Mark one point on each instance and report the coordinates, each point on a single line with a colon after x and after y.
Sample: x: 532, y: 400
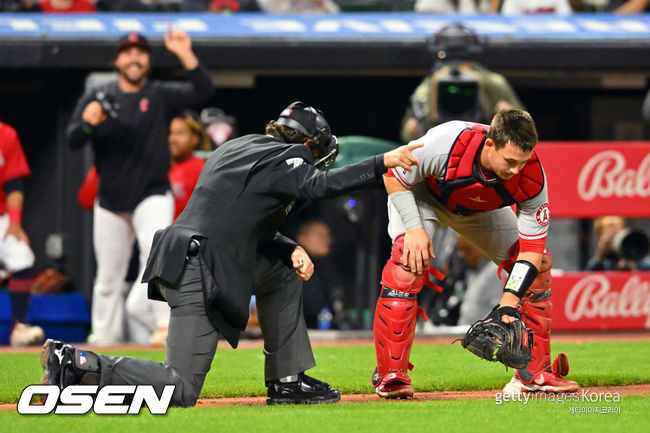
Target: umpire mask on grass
x: 311, y: 122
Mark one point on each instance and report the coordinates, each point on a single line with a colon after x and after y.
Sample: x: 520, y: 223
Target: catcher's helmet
x: 311, y: 122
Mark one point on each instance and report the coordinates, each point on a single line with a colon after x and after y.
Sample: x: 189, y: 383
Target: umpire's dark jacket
x: 244, y: 193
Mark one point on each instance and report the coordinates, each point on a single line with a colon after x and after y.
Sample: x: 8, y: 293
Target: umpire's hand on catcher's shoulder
x: 402, y: 157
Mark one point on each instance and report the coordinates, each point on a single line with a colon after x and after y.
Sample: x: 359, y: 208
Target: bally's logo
x: 108, y: 400
x: 606, y: 174
x: 594, y: 298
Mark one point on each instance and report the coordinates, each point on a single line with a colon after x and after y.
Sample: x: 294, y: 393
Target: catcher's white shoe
x: 549, y: 380
x: 545, y: 381
x: 515, y: 387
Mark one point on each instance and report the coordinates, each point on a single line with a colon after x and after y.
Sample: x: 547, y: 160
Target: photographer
x: 618, y: 248
x: 126, y: 123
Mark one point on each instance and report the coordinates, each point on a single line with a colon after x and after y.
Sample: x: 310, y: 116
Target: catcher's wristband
x: 521, y: 277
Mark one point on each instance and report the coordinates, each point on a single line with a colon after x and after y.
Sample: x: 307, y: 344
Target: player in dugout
x: 126, y: 123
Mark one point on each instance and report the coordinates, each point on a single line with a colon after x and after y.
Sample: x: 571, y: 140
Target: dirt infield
x: 419, y: 396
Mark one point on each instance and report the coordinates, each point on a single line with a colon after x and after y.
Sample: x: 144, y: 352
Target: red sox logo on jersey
x: 144, y: 105
x: 543, y: 215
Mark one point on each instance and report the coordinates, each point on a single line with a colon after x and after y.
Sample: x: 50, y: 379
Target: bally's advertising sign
x: 587, y: 180
x: 590, y: 179
x: 601, y: 300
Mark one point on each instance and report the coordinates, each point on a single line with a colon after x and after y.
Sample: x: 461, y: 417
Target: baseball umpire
x: 468, y: 177
x: 225, y: 247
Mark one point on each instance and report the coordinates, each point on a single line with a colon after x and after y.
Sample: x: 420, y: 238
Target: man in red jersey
x: 186, y: 134
x: 65, y: 6
x: 16, y: 256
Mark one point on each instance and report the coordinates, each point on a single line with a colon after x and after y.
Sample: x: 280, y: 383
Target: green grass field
x: 438, y: 367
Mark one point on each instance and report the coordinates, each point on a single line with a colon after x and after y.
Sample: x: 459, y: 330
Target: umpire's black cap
x: 133, y: 39
x: 311, y: 122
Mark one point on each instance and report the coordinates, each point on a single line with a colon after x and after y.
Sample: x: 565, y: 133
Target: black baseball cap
x: 133, y: 39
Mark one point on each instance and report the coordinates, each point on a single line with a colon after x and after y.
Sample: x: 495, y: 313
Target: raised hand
x: 179, y: 43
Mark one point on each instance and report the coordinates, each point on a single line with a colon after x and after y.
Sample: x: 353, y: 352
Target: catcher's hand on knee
x: 418, y: 250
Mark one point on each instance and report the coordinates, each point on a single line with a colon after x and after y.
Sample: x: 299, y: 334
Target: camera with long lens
x: 631, y: 244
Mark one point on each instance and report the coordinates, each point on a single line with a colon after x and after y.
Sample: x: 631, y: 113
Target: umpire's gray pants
x: 192, y: 340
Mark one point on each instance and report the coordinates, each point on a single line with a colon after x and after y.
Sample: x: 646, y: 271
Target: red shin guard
x: 537, y: 316
x: 394, y: 329
x: 541, y: 375
x: 537, y: 311
x: 394, y: 325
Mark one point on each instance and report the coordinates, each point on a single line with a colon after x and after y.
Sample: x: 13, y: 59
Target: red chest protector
x: 464, y: 191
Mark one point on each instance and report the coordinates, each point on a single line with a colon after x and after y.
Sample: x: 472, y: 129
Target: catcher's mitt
x: 494, y: 340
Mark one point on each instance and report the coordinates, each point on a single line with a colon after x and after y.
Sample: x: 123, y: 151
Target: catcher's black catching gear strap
x: 494, y: 340
x: 521, y: 277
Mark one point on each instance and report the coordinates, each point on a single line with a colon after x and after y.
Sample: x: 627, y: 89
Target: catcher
x: 469, y: 176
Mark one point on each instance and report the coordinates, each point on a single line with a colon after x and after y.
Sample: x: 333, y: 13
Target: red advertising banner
x: 601, y: 301
x: 590, y: 179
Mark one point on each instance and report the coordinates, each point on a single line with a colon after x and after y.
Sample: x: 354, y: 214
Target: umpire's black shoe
x: 65, y: 365
x: 52, y: 360
x: 306, y: 390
